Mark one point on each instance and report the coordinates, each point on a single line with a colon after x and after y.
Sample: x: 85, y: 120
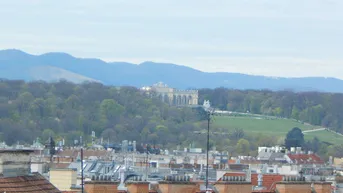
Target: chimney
x: 138, y: 187
x: 101, y: 184
x: 234, y: 184
x: 177, y: 184
x: 322, y: 186
x: 292, y: 184
x: 63, y: 179
x: 15, y: 163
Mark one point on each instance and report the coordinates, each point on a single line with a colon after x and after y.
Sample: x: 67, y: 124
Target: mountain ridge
x: 16, y: 64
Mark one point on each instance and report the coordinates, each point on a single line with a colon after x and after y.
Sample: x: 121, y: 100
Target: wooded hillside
x: 67, y: 110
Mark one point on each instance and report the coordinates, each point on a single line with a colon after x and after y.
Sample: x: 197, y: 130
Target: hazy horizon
x: 139, y: 63
x: 278, y: 39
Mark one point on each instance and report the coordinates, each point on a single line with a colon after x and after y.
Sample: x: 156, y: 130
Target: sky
x: 287, y: 38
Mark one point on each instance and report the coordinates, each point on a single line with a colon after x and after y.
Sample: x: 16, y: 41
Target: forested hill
x: 15, y: 64
x: 323, y: 109
x: 67, y: 110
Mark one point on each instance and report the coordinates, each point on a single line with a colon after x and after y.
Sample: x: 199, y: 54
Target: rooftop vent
x: 177, y: 178
x: 294, y: 179
x: 234, y: 178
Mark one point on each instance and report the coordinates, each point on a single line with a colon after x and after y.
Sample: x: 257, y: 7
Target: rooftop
x: 31, y: 183
x: 269, y: 180
x: 305, y: 158
x: 16, y: 151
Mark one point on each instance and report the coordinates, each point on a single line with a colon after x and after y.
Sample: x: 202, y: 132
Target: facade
x: 173, y: 96
x: 63, y: 179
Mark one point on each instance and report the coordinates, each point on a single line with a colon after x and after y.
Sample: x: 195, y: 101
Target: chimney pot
x: 15, y: 162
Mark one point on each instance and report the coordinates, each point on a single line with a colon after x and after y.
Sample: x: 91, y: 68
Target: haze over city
x: 170, y: 96
x: 273, y: 38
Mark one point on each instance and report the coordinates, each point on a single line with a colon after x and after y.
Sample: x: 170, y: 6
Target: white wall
x: 288, y: 170
x: 37, y: 167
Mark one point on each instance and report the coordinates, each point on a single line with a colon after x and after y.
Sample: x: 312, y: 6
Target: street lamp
x: 209, y: 113
x: 82, y: 178
x: 208, y: 147
x: 82, y: 171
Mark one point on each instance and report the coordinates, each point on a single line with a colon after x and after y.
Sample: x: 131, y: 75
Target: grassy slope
x: 325, y: 136
x: 276, y: 127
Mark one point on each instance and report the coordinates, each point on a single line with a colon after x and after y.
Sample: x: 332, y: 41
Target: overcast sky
x: 265, y: 37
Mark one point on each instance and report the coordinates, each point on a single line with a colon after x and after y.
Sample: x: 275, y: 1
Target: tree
x: 311, y: 107
x: 312, y: 145
x: 295, y: 113
x: 243, y: 147
x: 266, y: 141
x: 237, y: 134
x: 109, y: 134
x: 68, y: 110
x: 23, y: 101
x: 255, y: 105
x: 48, y: 133
x: 315, y: 144
x: 294, y: 138
x: 110, y: 108
x: 201, y: 113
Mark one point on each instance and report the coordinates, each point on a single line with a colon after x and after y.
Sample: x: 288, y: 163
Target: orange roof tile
x: 269, y: 180
x: 32, y: 183
x: 305, y: 158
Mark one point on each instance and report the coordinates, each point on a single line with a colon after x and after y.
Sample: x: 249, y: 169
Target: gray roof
x: 270, y: 156
x: 262, y: 155
x: 277, y: 157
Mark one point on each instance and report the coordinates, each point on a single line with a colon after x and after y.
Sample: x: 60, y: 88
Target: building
x: 173, y: 96
x: 271, y: 154
x: 63, y: 179
x: 304, y: 159
x: 15, y: 174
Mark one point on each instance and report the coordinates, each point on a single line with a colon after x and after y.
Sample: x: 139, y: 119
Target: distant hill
x: 15, y: 64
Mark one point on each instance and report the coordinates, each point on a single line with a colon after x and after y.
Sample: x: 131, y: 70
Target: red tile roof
x: 269, y: 180
x: 305, y: 159
x: 231, y: 161
x: 32, y: 183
